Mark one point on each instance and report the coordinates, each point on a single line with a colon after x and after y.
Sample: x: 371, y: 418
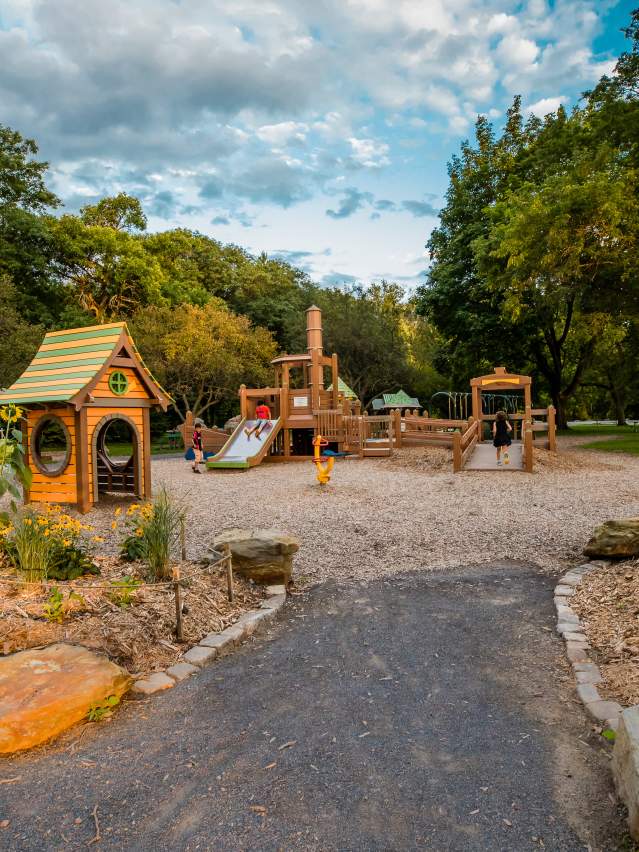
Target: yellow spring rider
x: 324, y: 464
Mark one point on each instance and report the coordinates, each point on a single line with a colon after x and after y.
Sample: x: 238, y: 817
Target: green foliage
x: 609, y: 734
x: 202, y: 355
x: 13, y: 470
x: 133, y: 548
x: 123, y: 590
x: 30, y: 547
x: 99, y: 712
x: 161, y: 531
x: 68, y: 562
x: 56, y: 607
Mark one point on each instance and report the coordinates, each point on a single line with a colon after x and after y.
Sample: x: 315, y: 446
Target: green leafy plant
x: 68, y: 562
x: 99, y: 712
x: 609, y: 734
x: 123, y: 590
x: 56, y: 607
x: 30, y: 547
x: 133, y: 548
x: 13, y: 470
x: 153, y: 531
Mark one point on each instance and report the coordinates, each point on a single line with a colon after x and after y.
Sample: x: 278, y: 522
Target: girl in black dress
x: 501, y: 436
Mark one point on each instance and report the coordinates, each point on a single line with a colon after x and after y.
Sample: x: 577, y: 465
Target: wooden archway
x: 500, y: 380
x: 118, y: 471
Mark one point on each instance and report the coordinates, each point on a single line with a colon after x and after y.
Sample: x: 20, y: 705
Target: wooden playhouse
x: 80, y: 383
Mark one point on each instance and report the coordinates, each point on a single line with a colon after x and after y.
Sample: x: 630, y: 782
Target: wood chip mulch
x: 607, y: 602
x: 139, y: 636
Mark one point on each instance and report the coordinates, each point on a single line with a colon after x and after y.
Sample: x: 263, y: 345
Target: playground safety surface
x: 423, y: 711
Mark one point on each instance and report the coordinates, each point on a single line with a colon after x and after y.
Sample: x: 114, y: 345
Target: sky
x: 317, y: 131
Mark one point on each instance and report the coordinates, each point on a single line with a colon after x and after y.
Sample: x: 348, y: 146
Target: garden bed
x: 607, y: 602
x: 140, y: 634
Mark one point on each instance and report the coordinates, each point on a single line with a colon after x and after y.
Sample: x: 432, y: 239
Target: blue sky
x: 316, y: 131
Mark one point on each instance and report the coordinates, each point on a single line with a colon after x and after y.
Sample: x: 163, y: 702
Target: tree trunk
x: 620, y: 407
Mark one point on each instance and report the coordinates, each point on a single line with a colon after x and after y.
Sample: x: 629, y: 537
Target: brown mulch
x: 140, y: 636
x: 607, y: 602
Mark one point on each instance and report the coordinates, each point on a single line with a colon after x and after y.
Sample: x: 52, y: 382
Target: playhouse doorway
x: 117, y: 457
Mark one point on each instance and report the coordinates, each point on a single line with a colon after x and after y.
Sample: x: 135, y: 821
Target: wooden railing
x: 463, y: 443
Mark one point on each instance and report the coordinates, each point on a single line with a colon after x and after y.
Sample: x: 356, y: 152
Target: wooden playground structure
x: 81, y: 383
x: 302, y: 408
x: 465, y: 437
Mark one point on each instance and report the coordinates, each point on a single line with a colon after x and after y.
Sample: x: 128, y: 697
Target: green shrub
x: 161, y: 531
x: 123, y: 590
x: 68, y: 562
x: 30, y: 546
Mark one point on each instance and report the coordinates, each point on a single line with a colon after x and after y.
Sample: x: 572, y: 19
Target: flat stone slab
x: 564, y: 590
x: 180, y: 671
x: 45, y: 691
x: 577, y: 652
x: 234, y: 633
x: 276, y: 590
x: 274, y: 602
x: 571, y: 636
x: 222, y: 642
x: 604, y: 711
x: 156, y: 682
x: 199, y: 655
x: 592, y: 677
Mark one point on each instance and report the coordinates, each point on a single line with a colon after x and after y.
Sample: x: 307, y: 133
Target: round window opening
x: 118, y: 383
x: 50, y: 445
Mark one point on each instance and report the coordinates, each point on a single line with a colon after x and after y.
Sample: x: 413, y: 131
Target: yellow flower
x: 46, y: 533
x: 27, y: 522
x: 97, y: 538
x: 118, y: 511
x: 139, y: 532
x: 114, y: 525
x: 66, y: 542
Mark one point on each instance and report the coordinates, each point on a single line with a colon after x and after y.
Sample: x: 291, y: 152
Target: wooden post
x: 183, y: 537
x: 552, y: 429
x: 398, y: 428
x: 229, y: 571
x: 457, y: 452
x: 335, y: 380
x: 528, y: 448
x: 243, y: 402
x: 178, y: 604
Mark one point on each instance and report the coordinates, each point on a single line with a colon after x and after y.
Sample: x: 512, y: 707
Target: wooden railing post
x: 552, y: 429
x: 528, y: 446
x: 398, y: 428
x: 243, y: 402
x: 457, y: 452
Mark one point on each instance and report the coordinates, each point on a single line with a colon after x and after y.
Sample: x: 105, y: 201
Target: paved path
x: 424, y: 712
x: 484, y: 457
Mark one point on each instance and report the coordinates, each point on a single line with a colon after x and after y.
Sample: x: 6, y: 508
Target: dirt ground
x: 409, y: 512
x: 138, y: 635
x: 607, y: 601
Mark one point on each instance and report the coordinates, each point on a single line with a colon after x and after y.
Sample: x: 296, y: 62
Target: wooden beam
x: 82, y: 461
x: 146, y: 453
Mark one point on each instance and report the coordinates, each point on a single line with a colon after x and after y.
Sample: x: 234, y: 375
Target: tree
x: 105, y: 269
x: 122, y: 213
x: 201, y: 355
x: 563, y: 253
x: 19, y: 340
x: 25, y: 249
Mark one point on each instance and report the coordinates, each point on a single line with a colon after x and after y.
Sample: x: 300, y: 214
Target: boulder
x: 44, y: 691
x: 616, y: 539
x: 265, y: 556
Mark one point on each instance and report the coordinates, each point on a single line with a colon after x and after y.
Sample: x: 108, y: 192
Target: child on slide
x: 263, y: 416
x: 501, y: 436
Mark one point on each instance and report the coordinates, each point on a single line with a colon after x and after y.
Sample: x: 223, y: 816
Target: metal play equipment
x: 324, y: 464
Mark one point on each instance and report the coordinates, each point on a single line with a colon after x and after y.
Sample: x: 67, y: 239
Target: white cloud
x: 545, y: 105
x: 283, y: 133
x: 369, y: 153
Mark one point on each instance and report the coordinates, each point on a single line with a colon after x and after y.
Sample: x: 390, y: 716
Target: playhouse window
x: 118, y: 383
x: 50, y: 445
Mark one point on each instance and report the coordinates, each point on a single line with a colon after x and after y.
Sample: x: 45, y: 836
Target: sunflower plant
x: 13, y: 471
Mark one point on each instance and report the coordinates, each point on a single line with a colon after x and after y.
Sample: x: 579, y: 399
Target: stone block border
x: 625, y: 722
x: 587, y: 674
x: 213, y: 645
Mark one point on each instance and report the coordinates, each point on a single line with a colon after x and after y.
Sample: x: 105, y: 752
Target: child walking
x: 198, y: 447
x: 501, y: 436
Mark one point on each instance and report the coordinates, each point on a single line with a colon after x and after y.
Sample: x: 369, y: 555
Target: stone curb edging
x: 213, y: 645
x: 586, y: 672
x: 624, y: 721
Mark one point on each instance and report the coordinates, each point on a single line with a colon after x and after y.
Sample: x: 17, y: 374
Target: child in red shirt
x: 263, y: 415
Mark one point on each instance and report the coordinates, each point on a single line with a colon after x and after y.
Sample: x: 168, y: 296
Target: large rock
x: 43, y: 692
x: 617, y: 539
x: 625, y: 765
x: 265, y: 556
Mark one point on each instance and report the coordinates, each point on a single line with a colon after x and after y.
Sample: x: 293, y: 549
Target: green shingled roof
x: 395, y: 400
x: 344, y: 389
x: 66, y: 362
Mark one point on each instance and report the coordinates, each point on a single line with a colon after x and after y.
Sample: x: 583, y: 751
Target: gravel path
x: 381, y: 516
x: 430, y: 712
